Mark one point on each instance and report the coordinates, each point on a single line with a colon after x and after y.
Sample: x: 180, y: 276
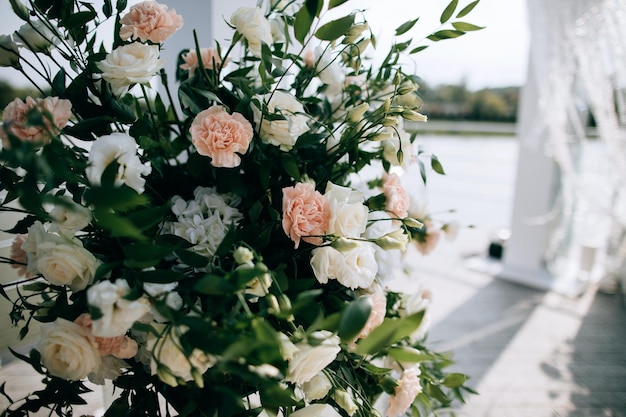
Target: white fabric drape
x: 579, y: 49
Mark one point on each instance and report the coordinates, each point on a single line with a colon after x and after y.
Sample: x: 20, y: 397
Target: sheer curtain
x: 580, y: 48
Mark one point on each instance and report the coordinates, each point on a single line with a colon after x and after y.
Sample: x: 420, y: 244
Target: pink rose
x: 210, y: 60
x: 55, y: 113
x: 19, y: 255
x: 406, y: 391
x: 122, y: 347
x: 221, y: 136
x: 306, y: 213
x: 150, y: 21
x: 397, y: 200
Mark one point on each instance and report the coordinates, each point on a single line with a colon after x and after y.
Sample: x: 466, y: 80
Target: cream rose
x: 221, y: 136
x: 116, y: 313
x: 66, y: 263
x: 170, y: 363
x: 252, y: 24
x: 122, y: 148
x: 68, y: 351
x: 353, y: 268
x: 316, y: 410
x: 150, y: 21
x: 309, y: 360
x: 281, y: 132
x: 134, y: 63
x: 348, y: 216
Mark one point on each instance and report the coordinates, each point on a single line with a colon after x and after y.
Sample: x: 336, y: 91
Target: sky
x: 493, y: 57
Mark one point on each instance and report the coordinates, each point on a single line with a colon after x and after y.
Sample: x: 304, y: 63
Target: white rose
x: 134, y: 63
x: 68, y: 351
x: 9, y: 55
x: 122, y: 148
x: 283, y: 132
x: 117, y: 313
x: 347, y: 217
x: 317, y: 388
x: 353, y: 268
x: 170, y: 363
x: 253, y: 26
x: 316, y: 410
x: 36, y: 36
x: 70, y: 219
x: 309, y: 360
x: 66, y: 263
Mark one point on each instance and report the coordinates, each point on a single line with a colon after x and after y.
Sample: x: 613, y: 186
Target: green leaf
x: 191, y: 258
x: 466, y: 27
x: 465, y: 11
x: 454, y: 380
x: 107, y: 8
x: 354, y: 317
x: 160, y: 276
x: 213, y: 285
x: 436, y: 165
x: 418, y: 49
x: 334, y: 29
x: 388, y: 333
x: 304, y: 18
x: 448, y: 11
x: 79, y: 19
x: 409, y: 354
x: 406, y: 26
x: 144, y: 255
x: 290, y: 165
x: 123, y: 198
x: 445, y: 34
x: 117, y: 225
x: 334, y: 3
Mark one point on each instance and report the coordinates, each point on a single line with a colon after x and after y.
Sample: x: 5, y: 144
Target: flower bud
x: 387, y: 105
x: 20, y: 10
x: 243, y: 255
x: 414, y: 116
x: 197, y: 377
x: 394, y: 240
x: 343, y: 244
x: 406, y: 87
x: 345, y: 401
x: 389, y: 121
x: 36, y: 36
x: 413, y: 223
x: 382, y: 136
x: 9, y: 55
x: 166, y: 376
x: 356, y: 113
x: 272, y: 301
x: 388, y: 384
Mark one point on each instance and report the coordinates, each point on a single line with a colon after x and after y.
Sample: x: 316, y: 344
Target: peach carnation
x: 428, y: 242
x: 379, y: 309
x: 122, y: 347
x: 210, y: 60
x: 306, y: 213
x: 55, y: 114
x: 150, y: 21
x: 397, y: 200
x: 406, y: 391
x: 221, y: 136
x: 19, y: 255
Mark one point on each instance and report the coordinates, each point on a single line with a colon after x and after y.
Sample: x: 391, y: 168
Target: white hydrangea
x: 205, y: 220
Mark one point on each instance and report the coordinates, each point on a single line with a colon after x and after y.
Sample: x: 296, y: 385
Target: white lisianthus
x: 205, y: 220
x: 169, y: 362
x: 348, y: 213
x: 287, y: 348
x: 60, y: 260
x: 329, y: 69
x: 69, y: 219
x: 122, y: 148
x: 117, y: 314
x: 400, y: 141
x: 36, y: 36
x: 309, y: 360
x: 133, y: 63
x: 282, y: 132
x: 316, y: 410
x: 317, y: 388
x: 164, y: 292
x: 68, y: 351
x: 252, y: 24
x: 353, y: 268
x: 412, y: 304
x: 9, y: 54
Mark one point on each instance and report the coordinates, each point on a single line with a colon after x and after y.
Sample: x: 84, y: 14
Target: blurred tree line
x: 9, y: 92
x: 457, y: 102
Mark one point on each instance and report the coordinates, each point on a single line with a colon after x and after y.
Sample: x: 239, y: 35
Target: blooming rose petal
x: 305, y: 213
x: 150, y: 21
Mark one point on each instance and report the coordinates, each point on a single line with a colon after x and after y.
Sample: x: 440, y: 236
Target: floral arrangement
x: 227, y: 252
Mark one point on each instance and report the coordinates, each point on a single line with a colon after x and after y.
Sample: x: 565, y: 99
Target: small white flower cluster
x: 204, y: 221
